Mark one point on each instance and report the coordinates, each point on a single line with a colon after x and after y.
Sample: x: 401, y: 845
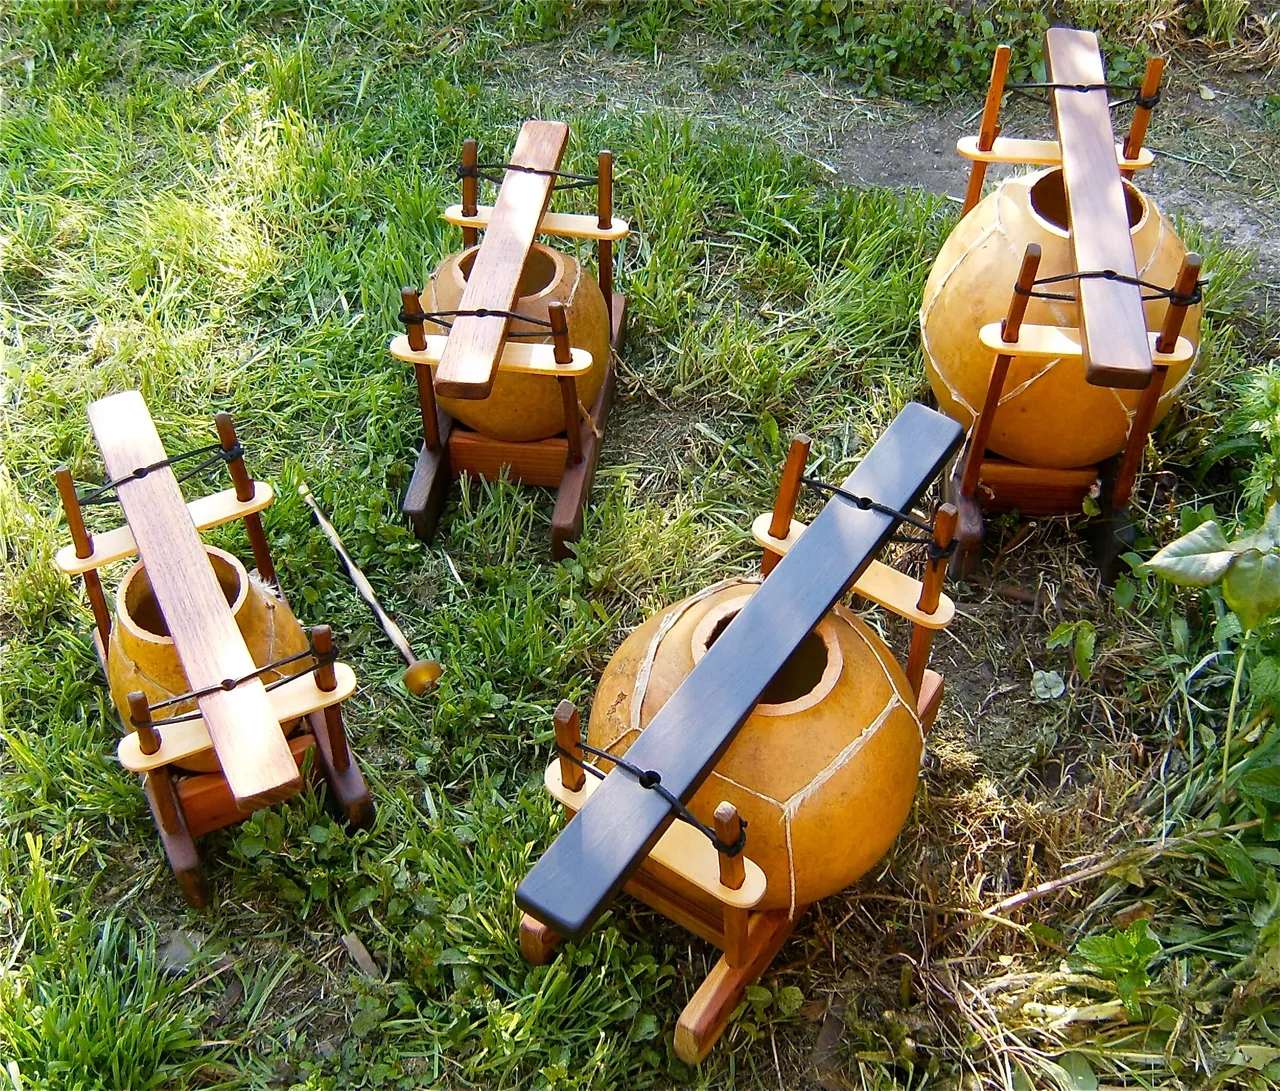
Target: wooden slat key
x: 1113, y: 327
x: 604, y: 843
x: 470, y: 359
x: 250, y: 746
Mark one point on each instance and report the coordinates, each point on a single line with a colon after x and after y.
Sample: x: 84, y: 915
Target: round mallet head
x: 421, y: 676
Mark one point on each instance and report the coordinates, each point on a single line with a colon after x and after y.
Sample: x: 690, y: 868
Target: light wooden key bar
x: 251, y: 749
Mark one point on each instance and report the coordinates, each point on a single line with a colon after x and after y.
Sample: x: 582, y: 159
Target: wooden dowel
x: 1142, y: 114
x: 568, y: 387
x: 568, y: 735
x: 327, y: 682
x: 470, y: 189
x: 83, y: 542
x: 140, y: 721
x: 784, y: 504
x: 244, y: 492
x: 604, y: 219
x: 733, y: 873
x: 411, y: 303
x: 1010, y: 328
x: 935, y: 573
x: 1149, y: 401
x: 990, y: 126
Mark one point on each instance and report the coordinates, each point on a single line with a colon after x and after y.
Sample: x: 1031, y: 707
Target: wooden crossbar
x: 252, y: 750
x: 604, y: 843
x: 470, y: 360
x: 1113, y: 325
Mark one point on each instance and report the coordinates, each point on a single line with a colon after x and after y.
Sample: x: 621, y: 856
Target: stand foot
x: 429, y: 486
x: 179, y: 846
x: 970, y: 528
x: 347, y: 788
x: 707, y: 1014
x: 1111, y: 535
x: 537, y: 942
x: 575, y: 484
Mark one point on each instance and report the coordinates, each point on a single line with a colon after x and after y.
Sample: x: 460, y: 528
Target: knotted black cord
x: 1181, y: 299
x: 652, y: 780
x: 228, y: 684
x: 489, y: 172
x: 866, y: 503
x: 1137, y: 98
x: 104, y: 494
x: 441, y: 318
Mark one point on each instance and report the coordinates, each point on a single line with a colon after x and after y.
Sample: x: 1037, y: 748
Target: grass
x: 216, y: 203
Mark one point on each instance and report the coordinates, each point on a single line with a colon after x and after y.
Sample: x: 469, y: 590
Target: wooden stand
x: 1111, y: 336
x: 566, y: 462
x: 259, y: 765
x: 687, y: 878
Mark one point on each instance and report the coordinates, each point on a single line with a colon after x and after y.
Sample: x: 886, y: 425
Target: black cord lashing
x: 652, y: 781
x: 1157, y: 291
x: 442, y: 319
x: 105, y: 494
x: 1136, y: 98
x: 229, y: 684
x: 866, y: 503
x: 490, y: 172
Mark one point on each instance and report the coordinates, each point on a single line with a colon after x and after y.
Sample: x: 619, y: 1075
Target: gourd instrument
x: 1060, y: 399
x: 231, y: 732
x: 635, y: 828
x: 516, y: 390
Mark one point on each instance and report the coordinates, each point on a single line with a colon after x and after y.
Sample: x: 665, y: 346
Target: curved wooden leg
x: 707, y: 1014
x: 970, y: 530
x: 179, y: 846
x: 537, y: 942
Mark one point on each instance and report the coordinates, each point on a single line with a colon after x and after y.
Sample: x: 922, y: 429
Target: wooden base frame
x: 187, y: 805
x: 749, y: 939
x: 538, y: 462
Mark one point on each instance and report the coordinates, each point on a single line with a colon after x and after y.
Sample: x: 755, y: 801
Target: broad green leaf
x: 1197, y: 559
x: 789, y: 1000
x: 1078, y: 1071
x: 1086, y: 641
x: 1252, y: 587
x: 1264, y: 540
x: 1262, y: 783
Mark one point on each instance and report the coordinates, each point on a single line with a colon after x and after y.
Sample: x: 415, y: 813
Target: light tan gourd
x: 823, y: 771
x: 1049, y: 415
x: 529, y: 407
x: 141, y: 655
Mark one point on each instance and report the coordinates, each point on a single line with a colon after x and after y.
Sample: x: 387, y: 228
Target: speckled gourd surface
x: 1048, y: 415
x: 141, y: 655
x: 530, y: 407
x: 823, y: 771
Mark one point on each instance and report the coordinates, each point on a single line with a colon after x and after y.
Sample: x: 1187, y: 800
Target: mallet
x: 421, y: 674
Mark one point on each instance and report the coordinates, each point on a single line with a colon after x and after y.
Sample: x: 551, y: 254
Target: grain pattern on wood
x: 206, y: 513
x: 470, y: 360
x: 1060, y: 343
x: 1038, y: 153
x: 1034, y: 490
x: 536, y: 462
x: 518, y: 356
x: 1113, y: 325
x: 564, y: 225
x: 206, y: 800
x: 604, y: 843
x: 251, y: 748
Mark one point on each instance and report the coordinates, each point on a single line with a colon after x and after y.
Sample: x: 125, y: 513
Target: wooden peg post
x: 728, y: 827
x: 327, y: 682
x: 411, y: 303
x: 944, y: 530
x: 784, y: 504
x: 83, y: 542
x: 1149, y: 402
x: 1010, y: 329
x: 990, y: 127
x: 244, y: 492
x: 568, y: 387
x: 1142, y: 114
x: 470, y: 188
x: 604, y: 220
x: 568, y: 736
x: 159, y: 778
